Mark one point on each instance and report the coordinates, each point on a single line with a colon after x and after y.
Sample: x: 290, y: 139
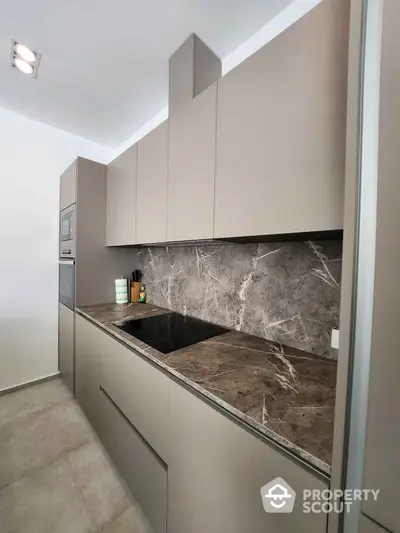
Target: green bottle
x: 142, y: 294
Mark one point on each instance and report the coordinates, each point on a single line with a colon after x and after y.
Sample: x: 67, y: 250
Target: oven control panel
x: 67, y: 251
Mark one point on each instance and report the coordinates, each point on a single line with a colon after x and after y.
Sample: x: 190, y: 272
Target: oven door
x: 66, y: 291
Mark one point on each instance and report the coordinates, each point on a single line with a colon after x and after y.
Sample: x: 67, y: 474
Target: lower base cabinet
x: 141, y: 468
x: 88, y: 357
x: 218, y: 470
x: 192, y: 469
x: 66, y: 345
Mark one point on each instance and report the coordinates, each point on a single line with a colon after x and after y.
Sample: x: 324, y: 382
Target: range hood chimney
x: 192, y: 69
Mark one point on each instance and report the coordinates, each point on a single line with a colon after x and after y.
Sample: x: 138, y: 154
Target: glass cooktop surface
x: 171, y: 331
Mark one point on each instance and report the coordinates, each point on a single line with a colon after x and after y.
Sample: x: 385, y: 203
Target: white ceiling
x: 104, y: 67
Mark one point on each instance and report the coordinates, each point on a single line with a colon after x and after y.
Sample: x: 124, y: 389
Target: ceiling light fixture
x: 23, y: 66
x: 25, y: 53
x: 24, y: 59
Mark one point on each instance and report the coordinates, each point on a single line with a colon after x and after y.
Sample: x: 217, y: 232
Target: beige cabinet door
x: 143, y: 471
x: 217, y: 470
x: 66, y: 345
x: 151, y: 202
x: 121, y: 199
x: 68, y: 186
x: 281, y: 130
x: 190, y: 211
x: 87, y: 370
x: 139, y: 389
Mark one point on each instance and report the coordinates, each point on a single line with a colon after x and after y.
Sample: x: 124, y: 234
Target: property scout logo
x: 279, y: 497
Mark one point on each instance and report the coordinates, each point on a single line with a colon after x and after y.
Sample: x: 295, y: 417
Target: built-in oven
x: 68, y: 232
x: 66, y: 294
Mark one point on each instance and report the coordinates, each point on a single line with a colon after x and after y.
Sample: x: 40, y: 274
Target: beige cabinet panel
x: 66, y: 345
x: 217, y: 471
x: 142, y: 470
x: 121, y: 199
x: 368, y: 526
x: 190, y: 211
x: 139, y: 390
x: 151, y: 203
x: 88, y: 356
x: 68, y: 186
x: 281, y: 129
x: 382, y: 452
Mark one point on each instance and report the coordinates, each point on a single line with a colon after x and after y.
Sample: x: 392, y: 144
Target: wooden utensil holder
x: 135, y: 291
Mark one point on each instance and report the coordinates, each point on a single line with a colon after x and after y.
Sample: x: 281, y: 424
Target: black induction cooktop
x: 170, y: 331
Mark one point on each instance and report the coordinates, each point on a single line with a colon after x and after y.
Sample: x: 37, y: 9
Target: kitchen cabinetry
x: 151, y: 204
x: 139, y: 390
x: 143, y: 471
x: 68, y: 186
x: 281, y: 131
x: 66, y: 345
x: 190, y: 210
x: 121, y: 199
x: 88, y: 358
x: 217, y: 471
x: 368, y: 526
x: 155, y: 430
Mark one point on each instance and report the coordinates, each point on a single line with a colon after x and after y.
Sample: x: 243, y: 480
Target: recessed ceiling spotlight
x: 24, y: 59
x: 25, y: 53
x: 23, y: 66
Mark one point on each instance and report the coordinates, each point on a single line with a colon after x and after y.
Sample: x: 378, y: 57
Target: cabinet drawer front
x: 142, y: 470
x: 139, y: 390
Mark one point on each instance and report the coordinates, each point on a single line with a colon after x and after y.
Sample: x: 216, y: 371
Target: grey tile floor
x: 54, y: 474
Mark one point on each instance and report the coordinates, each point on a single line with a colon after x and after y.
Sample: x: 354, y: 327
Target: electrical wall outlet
x: 335, y: 339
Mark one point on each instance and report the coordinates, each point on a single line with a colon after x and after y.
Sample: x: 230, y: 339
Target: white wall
x: 32, y: 157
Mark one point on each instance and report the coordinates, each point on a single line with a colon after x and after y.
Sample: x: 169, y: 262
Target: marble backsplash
x: 285, y: 292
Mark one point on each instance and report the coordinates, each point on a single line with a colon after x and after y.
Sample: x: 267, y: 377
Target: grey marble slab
x: 282, y: 393
x: 286, y: 292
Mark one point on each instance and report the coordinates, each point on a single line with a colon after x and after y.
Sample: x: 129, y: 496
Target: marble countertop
x: 285, y: 394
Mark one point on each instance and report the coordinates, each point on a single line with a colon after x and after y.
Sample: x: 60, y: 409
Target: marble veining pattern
x: 284, y: 292
x: 283, y: 393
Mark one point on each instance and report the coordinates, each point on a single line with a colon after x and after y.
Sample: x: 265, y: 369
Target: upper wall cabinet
x: 190, y: 210
x: 281, y: 131
x: 121, y: 199
x: 68, y: 186
x: 151, y: 202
